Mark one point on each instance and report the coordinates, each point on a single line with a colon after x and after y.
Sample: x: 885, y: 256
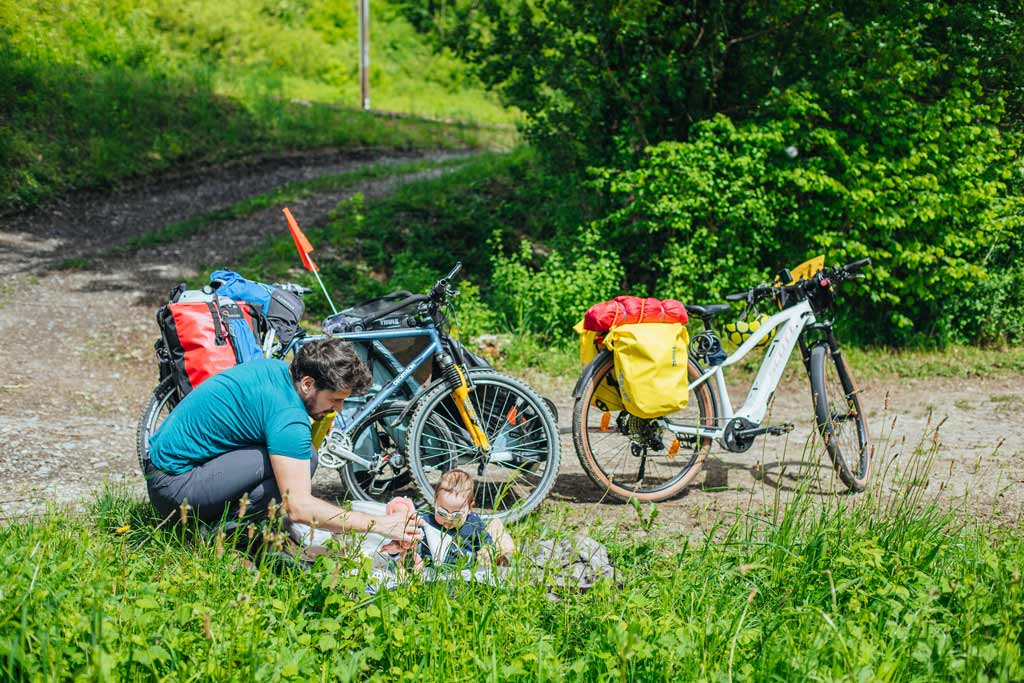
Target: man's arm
x: 292, y: 476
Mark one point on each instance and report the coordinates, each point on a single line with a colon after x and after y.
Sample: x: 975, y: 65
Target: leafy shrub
x: 906, y: 118
x: 927, y: 201
x: 600, y: 82
x: 550, y: 299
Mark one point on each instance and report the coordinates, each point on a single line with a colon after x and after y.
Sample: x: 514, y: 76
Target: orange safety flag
x: 301, y: 243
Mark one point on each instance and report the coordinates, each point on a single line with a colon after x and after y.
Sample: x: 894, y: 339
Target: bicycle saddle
x: 709, y: 311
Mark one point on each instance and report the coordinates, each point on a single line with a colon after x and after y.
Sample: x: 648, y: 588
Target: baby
x: 464, y: 535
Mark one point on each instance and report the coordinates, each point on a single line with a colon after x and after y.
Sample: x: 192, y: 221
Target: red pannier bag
x: 628, y: 310
x: 199, y: 341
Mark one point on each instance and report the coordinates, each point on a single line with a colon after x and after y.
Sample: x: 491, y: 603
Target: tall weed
x: 887, y: 585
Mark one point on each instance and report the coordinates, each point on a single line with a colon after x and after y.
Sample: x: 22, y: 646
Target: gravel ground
x: 77, y: 369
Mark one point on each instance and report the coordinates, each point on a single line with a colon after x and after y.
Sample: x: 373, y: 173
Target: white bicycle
x: 654, y: 459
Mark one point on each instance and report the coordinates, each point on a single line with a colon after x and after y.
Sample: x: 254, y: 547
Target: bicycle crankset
x: 737, y: 437
x: 337, y: 450
x: 740, y: 433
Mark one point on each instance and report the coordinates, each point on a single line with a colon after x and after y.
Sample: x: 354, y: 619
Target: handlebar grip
x: 857, y: 265
x: 738, y: 296
x: 456, y: 269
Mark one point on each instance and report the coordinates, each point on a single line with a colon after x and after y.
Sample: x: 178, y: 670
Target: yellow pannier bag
x: 651, y: 367
x: 606, y: 396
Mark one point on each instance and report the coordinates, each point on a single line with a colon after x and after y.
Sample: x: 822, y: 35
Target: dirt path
x: 77, y: 363
x: 977, y: 464
x: 77, y: 368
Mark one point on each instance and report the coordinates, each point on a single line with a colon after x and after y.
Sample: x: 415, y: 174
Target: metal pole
x: 333, y: 309
x: 364, y: 52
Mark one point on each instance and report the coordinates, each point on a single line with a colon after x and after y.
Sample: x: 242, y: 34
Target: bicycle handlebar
x: 293, y: 287
x: 437, y: 295
x: 397, y: 306
x: 456, y: 269
x: 830, y: 275
x: 440, y: 291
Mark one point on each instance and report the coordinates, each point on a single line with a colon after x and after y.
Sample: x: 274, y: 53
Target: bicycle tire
x: 376, y: 434
x: 836, y: 403
x: 525, y: 448
x: 165, y: 395
x: 609, y: 461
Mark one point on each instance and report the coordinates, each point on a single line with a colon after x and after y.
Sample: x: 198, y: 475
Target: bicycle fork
x: 456, y: 381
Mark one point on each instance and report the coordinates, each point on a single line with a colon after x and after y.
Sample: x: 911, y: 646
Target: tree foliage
x: 737, y: 138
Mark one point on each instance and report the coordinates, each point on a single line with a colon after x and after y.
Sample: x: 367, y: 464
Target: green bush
x: 906, y: 119
x: 600, y: 82
x: 929, y: 201
x: 550, y: 299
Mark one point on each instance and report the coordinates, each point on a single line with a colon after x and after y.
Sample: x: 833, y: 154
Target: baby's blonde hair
x: 458, y: 483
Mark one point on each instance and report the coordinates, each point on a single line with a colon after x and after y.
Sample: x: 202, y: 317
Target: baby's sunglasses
x: 456, y: 517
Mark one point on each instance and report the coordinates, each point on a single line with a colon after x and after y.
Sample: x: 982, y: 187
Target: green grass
x: 955, y: 362
x: 845, y: 589
x: 73, y: 263
x: 410, y: 238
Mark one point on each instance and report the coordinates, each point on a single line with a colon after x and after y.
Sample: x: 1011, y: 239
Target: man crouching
x: 245, y: 434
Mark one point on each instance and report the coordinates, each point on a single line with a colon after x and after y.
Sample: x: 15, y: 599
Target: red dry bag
x: 627, y: 310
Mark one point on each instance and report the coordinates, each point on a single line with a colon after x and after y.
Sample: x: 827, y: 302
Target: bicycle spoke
x: 523, y: 444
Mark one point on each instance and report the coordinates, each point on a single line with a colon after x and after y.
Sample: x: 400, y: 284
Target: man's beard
x: 309, y: 402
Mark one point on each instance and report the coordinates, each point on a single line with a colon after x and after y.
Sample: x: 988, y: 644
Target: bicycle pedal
x: 779, y: 430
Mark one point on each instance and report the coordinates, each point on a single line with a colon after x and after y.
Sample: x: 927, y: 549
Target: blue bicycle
x: 494, y: 427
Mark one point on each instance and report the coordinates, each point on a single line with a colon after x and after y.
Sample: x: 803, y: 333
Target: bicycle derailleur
x: 643, y: 434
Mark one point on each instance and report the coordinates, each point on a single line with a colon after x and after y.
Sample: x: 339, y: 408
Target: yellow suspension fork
x: 456, y: 380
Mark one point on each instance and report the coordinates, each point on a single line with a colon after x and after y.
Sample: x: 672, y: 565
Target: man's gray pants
x: 214, y: 488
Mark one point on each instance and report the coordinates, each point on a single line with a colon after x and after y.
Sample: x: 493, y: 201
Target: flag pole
x: 317, y: 274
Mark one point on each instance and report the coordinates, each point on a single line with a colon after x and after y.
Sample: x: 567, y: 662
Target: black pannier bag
x: 363, y: 317
x: 284, y: 313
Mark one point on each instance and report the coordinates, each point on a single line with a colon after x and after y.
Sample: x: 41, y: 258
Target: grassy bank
x: 476, y: 214
x: 99, y: 92
x: 853, y: 591
x: 283, y: 195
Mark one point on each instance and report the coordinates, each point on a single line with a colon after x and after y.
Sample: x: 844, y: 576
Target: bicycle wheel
x: 631, y: 457
x: 525, y: 452
x: 382, y: 442
x: 161, y: 401
x: 839, y: 416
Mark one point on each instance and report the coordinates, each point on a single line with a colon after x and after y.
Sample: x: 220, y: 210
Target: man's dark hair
x: 333, y: 365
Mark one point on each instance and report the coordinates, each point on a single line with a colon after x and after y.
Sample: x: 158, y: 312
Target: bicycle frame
x: 791, y: 323
x: 404, y: 374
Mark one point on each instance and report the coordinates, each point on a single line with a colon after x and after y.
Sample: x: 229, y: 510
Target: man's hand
x: 399, y: 526
x: 293, y: 476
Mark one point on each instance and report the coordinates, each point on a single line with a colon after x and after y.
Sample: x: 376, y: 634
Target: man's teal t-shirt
x: 253, y: 404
